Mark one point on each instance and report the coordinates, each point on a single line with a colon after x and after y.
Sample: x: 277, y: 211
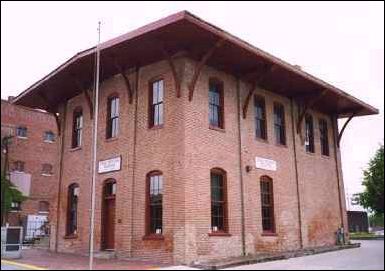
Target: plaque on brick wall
x: 265, y: 164
x: 109, y: 165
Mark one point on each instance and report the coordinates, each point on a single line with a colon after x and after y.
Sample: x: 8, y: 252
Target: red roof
x: 184, y: 31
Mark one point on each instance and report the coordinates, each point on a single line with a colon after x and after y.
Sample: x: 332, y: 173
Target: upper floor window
x: 49, y: 136
x: 267, y: 205
x: 324, y: 138
x: 77, y: 128
x: 15, y: 206
x: 21, y: 131
x: 218, y: 201
x: 43, y: 207
x: 112, y: 117
x: 155, y: 203
x: 309, y: 134
x: 260, y: 117
x: 156, y: 103
x: 279, y: 124
x: 18, y: 166
x: 72, y: 209
x: 47, y: 169
x: 216, y: 104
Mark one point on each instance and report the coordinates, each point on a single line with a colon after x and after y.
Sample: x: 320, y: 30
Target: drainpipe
x: 134, y: 154
x: 241, y: 170
x: 58, y: 213
x: 296, y: 174
x: 335, y: 136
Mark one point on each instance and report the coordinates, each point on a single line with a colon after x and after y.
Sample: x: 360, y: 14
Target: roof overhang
x: 186, y: 32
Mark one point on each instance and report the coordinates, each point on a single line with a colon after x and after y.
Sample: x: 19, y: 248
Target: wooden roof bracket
x: 248, y: 98
x: 343, y: 128
x: 51, y: 110
x: 199, y: 66
x: 253, y: 87
x: 171, y: 63
x: 126, y: 80
x: 307, y: 106
x: 83, y: 87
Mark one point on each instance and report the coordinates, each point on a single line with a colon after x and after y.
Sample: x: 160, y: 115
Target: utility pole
x: 94, y: 153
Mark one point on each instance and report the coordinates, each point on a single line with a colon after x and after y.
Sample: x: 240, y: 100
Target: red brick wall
x: 185, y: 150
x: 34, y: 152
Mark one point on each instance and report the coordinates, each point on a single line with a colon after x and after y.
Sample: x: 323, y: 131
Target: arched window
x: 156, y: 97
x: 77, y: 128
x: 218, y: 201
x: 309, y: 134
x: 43, y: 207
x: 279, y: 124
x: 216, y: 104
x: 49, y: 136
x: 260, y: 117
x: 267, y: 205
x: 72, y: 209
x: 47, y: 169
x: 112, y: 117
x: 154, y: 203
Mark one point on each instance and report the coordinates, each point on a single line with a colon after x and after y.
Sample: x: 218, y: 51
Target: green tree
x: 9, y: 194
x: 373, y: 196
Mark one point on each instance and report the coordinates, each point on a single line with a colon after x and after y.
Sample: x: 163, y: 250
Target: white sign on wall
x: 266, y: 164
x: 112, y: 164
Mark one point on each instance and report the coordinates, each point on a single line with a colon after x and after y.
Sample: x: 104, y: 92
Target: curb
x: 269, y: 258
x: 22, y: 265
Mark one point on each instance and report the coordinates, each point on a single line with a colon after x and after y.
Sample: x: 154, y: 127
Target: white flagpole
x: 94, y: 152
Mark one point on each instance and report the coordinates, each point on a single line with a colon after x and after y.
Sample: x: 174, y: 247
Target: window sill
x: 111, y: 139
x: 219, y: 234
x: 156, y: 237
x: 72, y: 236
x: 15, y: 211
x: 49, y: 142
x: 156, y: 127
x: 75, y: 149
x: 310, y: 153
x: 271, y: 234
x: 281, y: 145
x: 22, y: 137
x: 217, y: 129
x: 262, y: 140
x: 325, y: 156
x: 47, y: 174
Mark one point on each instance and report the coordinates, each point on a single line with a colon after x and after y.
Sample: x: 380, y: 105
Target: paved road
x: 370, y: 256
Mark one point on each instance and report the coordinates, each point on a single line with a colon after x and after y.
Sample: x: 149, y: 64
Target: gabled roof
x: 184, y: 31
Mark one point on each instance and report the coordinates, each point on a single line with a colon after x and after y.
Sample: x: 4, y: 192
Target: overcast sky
x: 341, y: 43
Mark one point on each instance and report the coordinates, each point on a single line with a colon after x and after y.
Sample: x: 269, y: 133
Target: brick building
x: 31, y: 162
x: 207, y: 146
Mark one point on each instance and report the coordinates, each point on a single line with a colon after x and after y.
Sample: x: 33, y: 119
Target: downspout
x: 241, y: 170
x: 296, y: 174
x: 58, y: 213
x: 134, y: 154
x: 335, y: 135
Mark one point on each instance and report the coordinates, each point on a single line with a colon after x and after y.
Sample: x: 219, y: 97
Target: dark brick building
x: 32, y: 156
x: 207, y: 146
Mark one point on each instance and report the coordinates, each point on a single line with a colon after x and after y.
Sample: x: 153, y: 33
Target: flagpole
x: 94, y: 151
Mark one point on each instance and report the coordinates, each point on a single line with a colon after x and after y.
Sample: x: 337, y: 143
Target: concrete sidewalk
x: 42, y: 259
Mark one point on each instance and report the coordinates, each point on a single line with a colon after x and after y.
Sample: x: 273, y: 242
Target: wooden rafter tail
x: 171, y: 63
x: 200, y: 65
x: 125, y: 79
x: 343, y: 128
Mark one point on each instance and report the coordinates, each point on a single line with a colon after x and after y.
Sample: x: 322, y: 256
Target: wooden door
x: 108, y: 216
